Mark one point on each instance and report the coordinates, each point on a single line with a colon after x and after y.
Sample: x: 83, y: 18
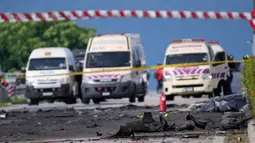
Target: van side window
x: 221, y: 56
x: 134, y: 57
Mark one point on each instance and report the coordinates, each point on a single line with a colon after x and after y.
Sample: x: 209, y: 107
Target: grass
x: 13, y: 100
x: 248, y: 81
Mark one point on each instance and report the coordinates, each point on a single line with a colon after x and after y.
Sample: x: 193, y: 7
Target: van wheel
x: 141, y: 98
x: 210, y: 95
x: 226, y: 88
x: 133, y: 95
x: 197, y: 95
x: 70, y: 100
x: 132, y: 99
x: 33, y: 102
x: 218, y: 90
x: 170, y: 97
x: 85, y: 100
x: 96, y: 101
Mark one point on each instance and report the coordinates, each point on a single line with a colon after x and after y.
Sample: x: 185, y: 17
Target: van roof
x: 116, y: 34
x: 215, y: 46
x: 187, y: 46
x: 109, y: 43
x: 49, y: 52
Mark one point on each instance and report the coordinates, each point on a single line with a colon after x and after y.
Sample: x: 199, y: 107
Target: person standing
x: 232, y: 67
x: 159, y: 78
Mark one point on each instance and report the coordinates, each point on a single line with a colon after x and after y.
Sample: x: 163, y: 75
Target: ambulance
x: 107, y: 64
x: 48, y: 75
x: 189, y: 71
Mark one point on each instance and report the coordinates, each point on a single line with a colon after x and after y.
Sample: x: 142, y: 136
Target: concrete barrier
x: 3, y: 94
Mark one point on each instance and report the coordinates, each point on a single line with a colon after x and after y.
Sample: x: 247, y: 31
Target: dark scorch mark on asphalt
x: 85, y: 123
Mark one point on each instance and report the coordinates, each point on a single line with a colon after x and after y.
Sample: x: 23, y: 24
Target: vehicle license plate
x: 106, y: 93
x: 47, y: 94
x: 189, y: 89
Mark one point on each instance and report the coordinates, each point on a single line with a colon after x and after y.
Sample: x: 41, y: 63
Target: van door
x: 136, y: 64
x: 219, y: 70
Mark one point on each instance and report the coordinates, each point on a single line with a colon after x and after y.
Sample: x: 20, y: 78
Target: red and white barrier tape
x: 91, y: 14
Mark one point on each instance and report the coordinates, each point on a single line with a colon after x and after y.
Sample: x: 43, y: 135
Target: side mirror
x: 23, y: 69
x: 138, y: 64
x: 71, y: 68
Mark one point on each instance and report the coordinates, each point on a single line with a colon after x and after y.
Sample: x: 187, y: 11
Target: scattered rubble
x: 3, y: 114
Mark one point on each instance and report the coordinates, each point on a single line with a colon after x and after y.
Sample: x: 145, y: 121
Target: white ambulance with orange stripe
x: 113, y: 52
x: 187, y: 79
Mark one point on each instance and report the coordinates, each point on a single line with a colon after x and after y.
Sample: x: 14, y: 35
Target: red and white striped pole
x: 95, y: 14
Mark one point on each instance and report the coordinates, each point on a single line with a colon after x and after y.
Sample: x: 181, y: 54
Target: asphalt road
x: 59, y: 122
x: 152, y: 99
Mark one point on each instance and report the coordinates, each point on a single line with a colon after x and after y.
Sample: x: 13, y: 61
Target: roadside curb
x: 251, y: 130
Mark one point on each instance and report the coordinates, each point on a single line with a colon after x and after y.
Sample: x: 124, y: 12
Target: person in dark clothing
x: 232, y: 67
x: 79, y: 78
x: 159, y: 78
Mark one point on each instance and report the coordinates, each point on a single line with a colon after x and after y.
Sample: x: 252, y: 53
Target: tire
x: 96, y: 101
x: 210, y: 95
x: 133, y: 96
x: 140, y: 98
x: 170, y: 97
x: 217, y: 92
x: 227, y: 88
x: 132, y: 99
x: 197, y: 96
x: 33, y: 102
x: 85, y: 100
x: 70, y: 100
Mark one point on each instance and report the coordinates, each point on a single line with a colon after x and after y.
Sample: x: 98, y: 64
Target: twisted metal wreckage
x: 230, y: 120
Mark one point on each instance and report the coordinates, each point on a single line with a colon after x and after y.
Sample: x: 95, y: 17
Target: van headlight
x: 30, y: 82
x: 64, y: 80
x: 125, y: 78
x: 207, y: 77
x: 85, y: 79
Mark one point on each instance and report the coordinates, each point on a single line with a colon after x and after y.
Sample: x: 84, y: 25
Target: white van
x: 113, y: 52
x: 185, y: 80
x: 50, y: 61
x: 220, y: 70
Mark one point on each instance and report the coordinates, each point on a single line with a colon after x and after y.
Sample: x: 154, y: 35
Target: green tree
x: 17, y: 40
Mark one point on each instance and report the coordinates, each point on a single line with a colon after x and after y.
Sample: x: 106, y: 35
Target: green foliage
x: 248, y: 81
x: 17, y: 40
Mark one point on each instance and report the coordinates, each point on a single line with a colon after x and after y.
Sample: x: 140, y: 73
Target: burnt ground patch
x: 86, y: 123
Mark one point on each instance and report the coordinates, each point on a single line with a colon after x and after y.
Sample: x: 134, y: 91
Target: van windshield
x: 186, y: 58
x: 108, y: 59
x: 47, y: 64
